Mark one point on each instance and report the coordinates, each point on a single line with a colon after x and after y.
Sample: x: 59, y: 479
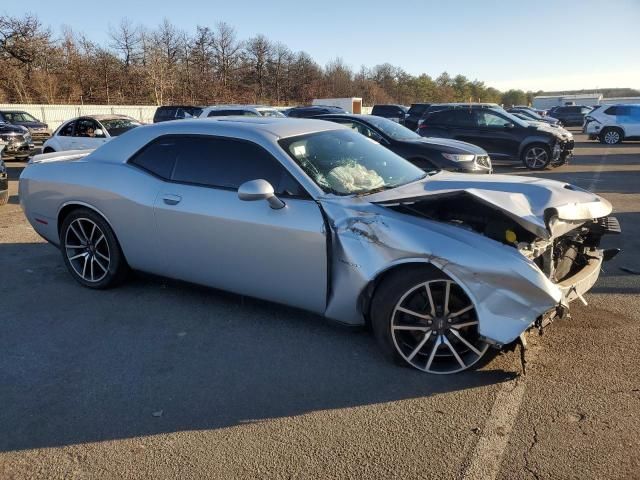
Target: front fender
x: 508, y: 290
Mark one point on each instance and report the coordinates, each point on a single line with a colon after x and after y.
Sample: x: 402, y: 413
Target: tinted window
x: 459, y: 118
x: 67, y: 130
x: 117, y: 126
x: 612, y: 110
x: 418, y: 109
x: 214, y: 162
x: 158, y: 157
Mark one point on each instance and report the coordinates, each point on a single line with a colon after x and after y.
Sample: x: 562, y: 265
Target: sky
x: 524, y: 44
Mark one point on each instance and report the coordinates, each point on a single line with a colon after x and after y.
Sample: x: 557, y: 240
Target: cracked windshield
x: 344, y: 162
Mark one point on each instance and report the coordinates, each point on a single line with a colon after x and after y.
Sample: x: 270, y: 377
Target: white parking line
x: 487, y: 456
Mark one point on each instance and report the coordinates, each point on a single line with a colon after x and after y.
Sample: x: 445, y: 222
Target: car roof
x: 256, y: 129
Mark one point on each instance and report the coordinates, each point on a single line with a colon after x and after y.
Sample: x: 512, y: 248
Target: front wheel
x: 91, y: 251
x: 424, y: 319
x: 536, y: 157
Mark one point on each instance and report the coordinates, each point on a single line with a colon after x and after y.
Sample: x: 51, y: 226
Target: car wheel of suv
x: 611, y: 136
x: 536, y: 157
x: 91, y: 251
x: 424, y: 319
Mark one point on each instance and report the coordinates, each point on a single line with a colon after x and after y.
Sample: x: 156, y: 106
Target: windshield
x: 117, y: 126
x: 270, y: 112
x: 19, y: 117
x: 345, y: 162
x: 392, y: 129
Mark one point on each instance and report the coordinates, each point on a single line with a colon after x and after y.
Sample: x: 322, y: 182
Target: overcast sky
x: 527, y: 44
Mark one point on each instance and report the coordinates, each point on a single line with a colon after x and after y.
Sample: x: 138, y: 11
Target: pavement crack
x: 527, y: 461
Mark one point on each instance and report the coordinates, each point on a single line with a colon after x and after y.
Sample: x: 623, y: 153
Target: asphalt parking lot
x: 158, y: 379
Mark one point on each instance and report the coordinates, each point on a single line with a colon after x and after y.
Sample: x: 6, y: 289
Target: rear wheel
x: 611, y: 136
x: 536, y: 157
x: 423, y: 318
x: 91, y: 251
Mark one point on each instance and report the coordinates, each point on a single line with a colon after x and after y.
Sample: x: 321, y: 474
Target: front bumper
x: 21, y: 149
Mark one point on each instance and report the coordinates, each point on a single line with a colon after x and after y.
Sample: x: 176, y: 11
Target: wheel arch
x: 614, y: 127
x: 546, y: 142
x: 67, y: 207
x: 368, y: 292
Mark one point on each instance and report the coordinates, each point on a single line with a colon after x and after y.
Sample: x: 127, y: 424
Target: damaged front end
x: 521, y: 248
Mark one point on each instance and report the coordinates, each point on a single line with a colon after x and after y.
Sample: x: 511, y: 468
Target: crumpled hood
x: 530, y: 201
x: 454, y: 145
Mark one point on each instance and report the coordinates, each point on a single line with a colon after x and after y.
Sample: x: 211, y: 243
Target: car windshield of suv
x: 117, y: 126
x: 344, y: 162
x: 270, y: 112
x: 19, y: 117
x: 392, y: 129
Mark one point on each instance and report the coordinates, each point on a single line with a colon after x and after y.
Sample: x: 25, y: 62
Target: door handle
x: 171, y: 199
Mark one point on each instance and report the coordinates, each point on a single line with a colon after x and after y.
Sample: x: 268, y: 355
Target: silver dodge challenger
x: 444, y: 267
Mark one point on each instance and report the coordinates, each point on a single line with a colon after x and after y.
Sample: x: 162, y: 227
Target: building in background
x: 545, y: 102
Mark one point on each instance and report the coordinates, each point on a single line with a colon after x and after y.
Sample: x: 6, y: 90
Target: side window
x: 611, y: 110
x: 86, y: 127
x: 363, y: 129
x: 228, y: 163
x: 441, y: 118
x: 488, y: 119
x: 158, y: 157
x: 463, y: 117
x: 67, y: 130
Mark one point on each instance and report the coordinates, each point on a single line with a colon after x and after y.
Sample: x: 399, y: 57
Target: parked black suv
x: 501, y: 134
x: 426, y: 153
x: 313, y: 110
x: 176, y: 112
x: 414, y: 115
x: 570, y: 115
x: 39, y: 131
x: 397, y: 113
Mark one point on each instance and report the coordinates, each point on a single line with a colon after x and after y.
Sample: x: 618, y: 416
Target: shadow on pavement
x: 79, y: 365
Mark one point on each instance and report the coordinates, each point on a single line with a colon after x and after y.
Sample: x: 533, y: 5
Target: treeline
x: 166, y: 65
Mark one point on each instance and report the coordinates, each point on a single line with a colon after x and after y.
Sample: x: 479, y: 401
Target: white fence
x: 54, y: 115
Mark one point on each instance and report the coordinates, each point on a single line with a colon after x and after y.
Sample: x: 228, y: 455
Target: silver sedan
x: 445, y: 267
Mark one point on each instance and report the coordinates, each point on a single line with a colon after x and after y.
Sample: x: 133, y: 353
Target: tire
x: 536, y: 156
x: 611, y: 136
x: 411, y: 333
x: 90, y: 250
x: 48, y: 150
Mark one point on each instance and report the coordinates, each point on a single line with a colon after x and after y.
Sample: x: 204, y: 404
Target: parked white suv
x: 613, y: 123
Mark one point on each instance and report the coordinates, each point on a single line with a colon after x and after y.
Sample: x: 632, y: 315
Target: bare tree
x: 258, y: 50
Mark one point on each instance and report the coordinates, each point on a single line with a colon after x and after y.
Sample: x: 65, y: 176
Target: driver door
x: 207, y: 235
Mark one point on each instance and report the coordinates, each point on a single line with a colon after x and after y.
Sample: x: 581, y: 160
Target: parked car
x: 4, y: 181
x: 426, y: 153
x: 570, y: 115
x: 531, y: 115
x: 414, y: 115
x: 88, y: 132
x: 176, y: 112
x: 314, y: 215
x: 18, y: 141
x: 397, y: 113
x: 614, y: 123
x: 501, y: 134
x: 540, y: 112
x: 242, y: 110
x: 425, y: 109
x: 39, y: 130
x: 313, y: 110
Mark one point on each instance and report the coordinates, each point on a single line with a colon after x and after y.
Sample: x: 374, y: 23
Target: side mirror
x: 98, y: 133
x: 509, y: 126
x: 259, y: 190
